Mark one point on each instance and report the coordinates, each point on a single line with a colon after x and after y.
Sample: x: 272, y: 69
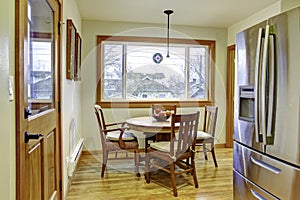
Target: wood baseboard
x: 220, y: 145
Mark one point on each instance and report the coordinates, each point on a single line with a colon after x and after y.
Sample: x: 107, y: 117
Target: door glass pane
x: 40, y: 59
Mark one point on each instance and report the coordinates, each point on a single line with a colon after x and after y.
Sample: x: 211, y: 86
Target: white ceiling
x: 205, y: 13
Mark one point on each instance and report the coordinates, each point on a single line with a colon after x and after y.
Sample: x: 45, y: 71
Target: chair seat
x: 114, y: 145
x: 203, y: 136
x: 114, y: 136
x: 160, y: 155
x: 163, y: 146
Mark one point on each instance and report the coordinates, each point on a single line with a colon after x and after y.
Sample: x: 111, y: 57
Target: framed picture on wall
x: 71, y: 50
x: 78, y: 57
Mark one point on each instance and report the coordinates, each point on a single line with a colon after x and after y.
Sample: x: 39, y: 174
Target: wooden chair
x: 206, y: 137
x: 116, y: 139
x: 165, y: 155
x: 159, y: 137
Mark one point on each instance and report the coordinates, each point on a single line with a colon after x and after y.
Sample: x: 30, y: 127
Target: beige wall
x: 264, y: 14
x: 71, y: 99
x: 288, y: 4
x: 7, y: 108
x: 90, y: 29
x: 252, y: 20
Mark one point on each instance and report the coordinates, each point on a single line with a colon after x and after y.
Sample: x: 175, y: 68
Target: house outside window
x: 135, y: 71
x: 40, y: 86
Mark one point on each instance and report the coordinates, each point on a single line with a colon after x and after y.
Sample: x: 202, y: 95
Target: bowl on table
x: 161, y: 115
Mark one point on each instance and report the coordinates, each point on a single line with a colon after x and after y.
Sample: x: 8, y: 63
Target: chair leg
x: 104, y: 162
x: 204, y: 151
x: 137, y: 162
x: 173, y: 178
x: 147, y: 167
x: 194, y: 173
x: 214, y: 156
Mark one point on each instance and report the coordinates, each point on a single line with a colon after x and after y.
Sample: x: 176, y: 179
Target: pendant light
x: 168, y: 12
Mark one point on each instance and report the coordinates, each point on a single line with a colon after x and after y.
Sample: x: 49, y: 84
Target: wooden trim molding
x: 230, y: 95
x: 146, y: 104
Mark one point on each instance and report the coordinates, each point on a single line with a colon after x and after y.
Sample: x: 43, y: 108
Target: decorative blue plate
x: 157, y: 58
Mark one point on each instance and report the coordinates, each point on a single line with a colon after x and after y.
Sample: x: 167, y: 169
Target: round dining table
x: 152, y: 129
x: 149, y: 124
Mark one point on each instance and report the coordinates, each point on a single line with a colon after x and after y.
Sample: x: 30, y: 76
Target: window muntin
x: 129, y: 73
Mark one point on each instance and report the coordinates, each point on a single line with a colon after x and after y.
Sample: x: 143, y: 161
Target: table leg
x: 146, y: 143
x: 149, y: 136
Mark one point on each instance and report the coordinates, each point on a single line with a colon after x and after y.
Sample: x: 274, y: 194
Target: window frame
x: 145, y: 103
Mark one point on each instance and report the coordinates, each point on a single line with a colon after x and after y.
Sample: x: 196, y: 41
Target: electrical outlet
x: 11, y: 88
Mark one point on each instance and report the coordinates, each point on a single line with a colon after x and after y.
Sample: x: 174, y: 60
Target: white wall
x: 288, y: 4
x: 7, y: 108
x: 71, y: 90
x: 252, y: 20
x: 264, y: 14
x: 90, y: 30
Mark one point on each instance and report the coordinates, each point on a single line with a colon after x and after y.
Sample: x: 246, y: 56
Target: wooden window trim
x: 147, y: 104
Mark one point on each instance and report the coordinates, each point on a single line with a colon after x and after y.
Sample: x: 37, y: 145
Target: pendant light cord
x: 168, y: 12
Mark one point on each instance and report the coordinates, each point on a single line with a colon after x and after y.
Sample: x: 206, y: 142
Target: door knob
x: 29, y: 136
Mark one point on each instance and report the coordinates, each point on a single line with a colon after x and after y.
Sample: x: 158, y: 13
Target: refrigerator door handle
x: 257, y: 195
x: 257, y: 88
x: 265, y: 165
x: 268, y: 86
x: 271, y: 77
x: 263, y: 86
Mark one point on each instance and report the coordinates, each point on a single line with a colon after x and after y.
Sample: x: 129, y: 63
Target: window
x: 40, y: 86
x: 134, y: 71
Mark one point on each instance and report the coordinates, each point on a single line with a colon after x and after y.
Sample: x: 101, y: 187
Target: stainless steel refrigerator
x: 266, y: 163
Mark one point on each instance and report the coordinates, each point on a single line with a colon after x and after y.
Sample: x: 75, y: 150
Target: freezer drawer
x: 278, y: 178
x: 246, y: 190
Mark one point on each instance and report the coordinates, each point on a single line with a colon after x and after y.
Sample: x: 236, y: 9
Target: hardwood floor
x: 120, y: 182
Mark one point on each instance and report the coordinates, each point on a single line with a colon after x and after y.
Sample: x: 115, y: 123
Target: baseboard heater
x: 75, y: 157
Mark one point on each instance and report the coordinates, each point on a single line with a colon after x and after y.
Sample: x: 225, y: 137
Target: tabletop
x: 149, y: 124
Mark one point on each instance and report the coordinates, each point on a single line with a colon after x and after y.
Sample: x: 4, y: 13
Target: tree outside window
x: 132, y: 71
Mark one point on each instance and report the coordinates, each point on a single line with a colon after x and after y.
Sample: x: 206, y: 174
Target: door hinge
x: 58, y: 106
x: 60, y: 185
x: 59, y: 27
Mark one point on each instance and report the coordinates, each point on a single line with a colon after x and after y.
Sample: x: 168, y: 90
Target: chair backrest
x: 210, y: 119
x: 171, y: 108
x: 101, y: 123
x: 187, y: 132
x: 99, y: 111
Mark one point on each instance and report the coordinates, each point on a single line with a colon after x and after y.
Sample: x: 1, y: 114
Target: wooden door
x: 37, y: 99
x: 230, y: 95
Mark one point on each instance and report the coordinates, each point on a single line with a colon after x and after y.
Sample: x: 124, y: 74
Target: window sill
x: 144, y: 104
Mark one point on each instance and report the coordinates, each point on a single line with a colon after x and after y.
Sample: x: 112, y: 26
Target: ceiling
x: 205, y: 13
